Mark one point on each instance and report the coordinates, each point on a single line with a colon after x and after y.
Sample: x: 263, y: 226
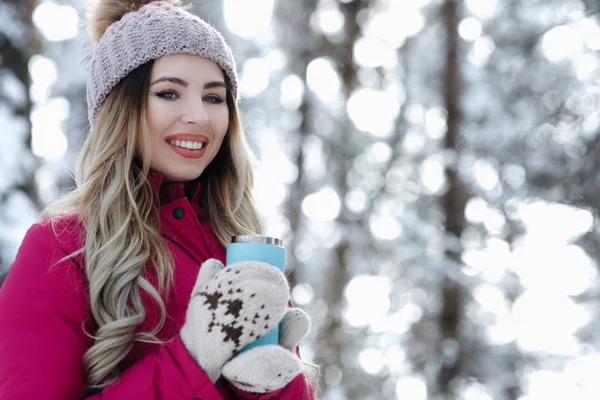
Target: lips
x: 187, y: 140
x: 187, y: 153
x: 189, y: 137
x: 187, y: 145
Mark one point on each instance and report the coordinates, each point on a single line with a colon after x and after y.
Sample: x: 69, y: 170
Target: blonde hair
x: 312, y: 372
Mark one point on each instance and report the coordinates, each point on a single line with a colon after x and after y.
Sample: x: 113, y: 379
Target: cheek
x: 158, y: 114
x: 221, y: 122
x: 151, y: 114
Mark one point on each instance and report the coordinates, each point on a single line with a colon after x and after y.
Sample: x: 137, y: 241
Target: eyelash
x: 165, y: 96
x: 215, y: 99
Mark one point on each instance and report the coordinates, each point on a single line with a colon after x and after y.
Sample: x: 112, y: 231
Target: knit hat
x: 154, y: 30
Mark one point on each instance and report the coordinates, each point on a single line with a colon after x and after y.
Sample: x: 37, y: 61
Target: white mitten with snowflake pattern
x: 231, y: 307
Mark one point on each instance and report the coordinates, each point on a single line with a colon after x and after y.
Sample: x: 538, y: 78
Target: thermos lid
x: 257, y: 239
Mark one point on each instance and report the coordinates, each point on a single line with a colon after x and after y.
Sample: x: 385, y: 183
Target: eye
x: 213, y: 99
x: 167, y: 95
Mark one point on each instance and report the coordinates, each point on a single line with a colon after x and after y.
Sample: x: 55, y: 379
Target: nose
x: 194, y: 112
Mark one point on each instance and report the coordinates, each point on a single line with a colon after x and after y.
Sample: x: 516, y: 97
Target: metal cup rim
x: 257, y: 239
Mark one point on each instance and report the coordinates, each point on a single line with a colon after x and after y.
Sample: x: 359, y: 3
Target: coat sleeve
x: 43, y: 310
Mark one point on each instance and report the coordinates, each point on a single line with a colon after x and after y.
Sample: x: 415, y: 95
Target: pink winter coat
x: 44, y: 311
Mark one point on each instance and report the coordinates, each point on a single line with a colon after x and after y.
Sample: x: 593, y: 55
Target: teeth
x: 187, y: 144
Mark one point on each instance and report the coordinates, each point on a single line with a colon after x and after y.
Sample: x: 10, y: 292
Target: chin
x: 183, y: 177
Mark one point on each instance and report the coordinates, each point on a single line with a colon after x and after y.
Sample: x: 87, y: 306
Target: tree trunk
x: 297, y: 18
x: 16, y: 59
x: 15, y: 53
x: 333, y: 340
x: 453, y: 204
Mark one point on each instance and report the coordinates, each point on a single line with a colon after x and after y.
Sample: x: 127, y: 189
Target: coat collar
x: 193, y: 235
x: 155, y: 179
x: 171, y: 191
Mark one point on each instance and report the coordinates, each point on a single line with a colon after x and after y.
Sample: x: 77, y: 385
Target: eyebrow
x: 181, y: 82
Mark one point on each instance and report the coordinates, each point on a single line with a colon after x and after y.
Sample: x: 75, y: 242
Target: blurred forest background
x: 432, y: 166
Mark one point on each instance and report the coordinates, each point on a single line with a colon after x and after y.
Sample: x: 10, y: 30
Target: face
x: 188, y: 115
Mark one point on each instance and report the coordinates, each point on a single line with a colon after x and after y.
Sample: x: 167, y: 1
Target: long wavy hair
x: 119, y: 210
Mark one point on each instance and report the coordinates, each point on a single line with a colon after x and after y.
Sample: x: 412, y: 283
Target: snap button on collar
x: 178, y: 213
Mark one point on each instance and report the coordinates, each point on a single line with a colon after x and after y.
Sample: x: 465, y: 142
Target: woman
x: 120, y: 291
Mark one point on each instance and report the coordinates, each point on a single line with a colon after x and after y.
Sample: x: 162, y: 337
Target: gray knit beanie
x: 155, y: 30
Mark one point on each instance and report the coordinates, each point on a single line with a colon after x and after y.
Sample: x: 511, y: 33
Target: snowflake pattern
x: 233, y: 305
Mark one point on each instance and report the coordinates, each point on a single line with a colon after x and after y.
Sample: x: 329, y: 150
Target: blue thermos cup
x: 258, y: 248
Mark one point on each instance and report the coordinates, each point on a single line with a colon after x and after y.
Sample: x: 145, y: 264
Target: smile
x: 186, y: 144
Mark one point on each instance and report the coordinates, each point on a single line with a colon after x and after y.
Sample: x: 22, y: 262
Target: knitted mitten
x: 230, y: 308
x: 267, y: 368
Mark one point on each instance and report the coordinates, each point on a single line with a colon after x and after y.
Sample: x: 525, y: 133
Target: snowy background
x: 432, y: 166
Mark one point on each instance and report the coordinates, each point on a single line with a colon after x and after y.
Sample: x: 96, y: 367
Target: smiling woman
x: 125, y: 277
